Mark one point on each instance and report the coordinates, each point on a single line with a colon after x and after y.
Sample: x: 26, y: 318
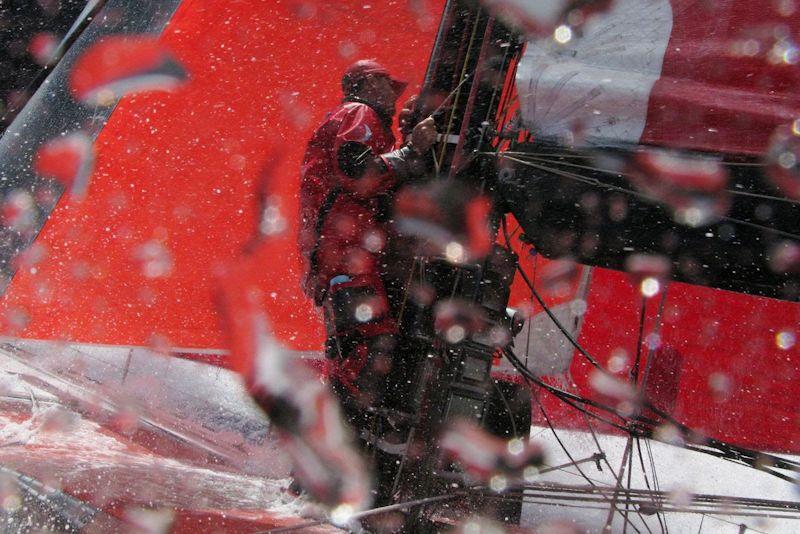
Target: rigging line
x: 650, y: 358
x: 571, y: 459
x: 762, y: 195
x: 568, y: 472
x: 562, y: 467
x: 511, y: 77
x: 617, y: 488
x: 528, y: 334
x: 788, y: 235
x: 504, y: 226
x: 725, y: 448
x: 752, y: 462
x: 657, y: 331
x: 515, y: 360
x: 630, y: 473
x: 366, y: 513
x: 508, y: 119
x: 750, y: 458
x: 599, y: 447
x: 508, y: 409
x: 566, y: 397
x: 582, y: 474
x: 516, y: 488
x: 598, y: 183
x: 403, y: 460
x: 584, y: 179
x: 590, y: 495
x: 733, y: 450
x: 458, y: 87
x: 553, y: 500
x: 572, y: 155
x: 597, y: 442
x: 779, y: 462
x: 651, y: 457
x: 555, y: 320
x: 647, y: 484
x: 451, y: 94
x: 634, y: 377
x: 621, y: 173
x: 436, y: 163
x: 716, y: 518
x: 570, y: 397
x: 541, y: 154
x: 532, y: 500
x: 406, y: 291
x: 535, y: 269
x: 494, y: 90
x: 436, y: 167
x: 727, y: 503
x: 634, y: 372
x: 510, y: 97
x: 702, y: 519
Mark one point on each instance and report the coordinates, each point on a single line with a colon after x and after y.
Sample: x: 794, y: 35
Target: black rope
x: 555, y: 320
x: 565, y: 396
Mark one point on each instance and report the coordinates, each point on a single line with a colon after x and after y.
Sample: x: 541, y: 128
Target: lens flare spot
x: 516, y: 446
x: 342, y: 514
x: 455, y: 253
x: 455, y: 334
x: 364, y: 313
x: 785, y: 339
x: 498, y: 483
x: 562, y: 34
x: 650, y: 287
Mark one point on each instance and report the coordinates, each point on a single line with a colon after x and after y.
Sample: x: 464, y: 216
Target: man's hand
x: 405, y: 116
x: 423, y: 136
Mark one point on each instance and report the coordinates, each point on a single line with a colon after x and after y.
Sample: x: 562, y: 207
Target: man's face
x: 379, y: 91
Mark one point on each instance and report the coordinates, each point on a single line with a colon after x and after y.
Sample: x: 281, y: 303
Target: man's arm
x: 356, y: 158
x: 409, y: 161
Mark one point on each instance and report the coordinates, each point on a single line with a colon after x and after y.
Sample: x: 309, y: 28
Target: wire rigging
x: 598, y: 183
x: 555, y: 159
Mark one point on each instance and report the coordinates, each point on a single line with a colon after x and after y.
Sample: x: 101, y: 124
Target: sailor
x: 349, y: 174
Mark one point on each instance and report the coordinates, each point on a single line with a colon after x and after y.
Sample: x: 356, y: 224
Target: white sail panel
x: 594, y: 88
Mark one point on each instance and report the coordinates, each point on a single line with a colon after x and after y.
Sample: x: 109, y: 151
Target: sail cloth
x: 175, y: 173
x: 713, y: 76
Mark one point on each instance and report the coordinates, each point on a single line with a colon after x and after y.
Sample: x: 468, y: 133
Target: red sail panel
x: 714, y: 76
x: 740, y: 371
x: 173, y: 191
x: 729, y: 76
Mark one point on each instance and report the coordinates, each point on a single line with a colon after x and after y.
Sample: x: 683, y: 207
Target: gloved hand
x: 423, y: 136
x: 406, y: 114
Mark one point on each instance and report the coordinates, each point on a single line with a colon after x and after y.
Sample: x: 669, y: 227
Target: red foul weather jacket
x: 344, y: 226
